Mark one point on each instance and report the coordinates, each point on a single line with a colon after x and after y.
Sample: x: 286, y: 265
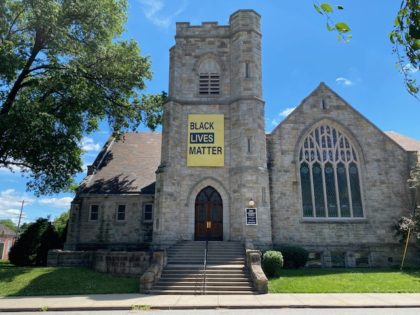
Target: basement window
x: 338, y: 259
x: 361, y: 259
x: 314, y: 260
x: 209, y: 84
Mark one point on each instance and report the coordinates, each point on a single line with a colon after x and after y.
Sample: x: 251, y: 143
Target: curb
x: 187, y: 307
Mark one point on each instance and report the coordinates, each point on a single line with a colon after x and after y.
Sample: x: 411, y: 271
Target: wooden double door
x: 208, y: 215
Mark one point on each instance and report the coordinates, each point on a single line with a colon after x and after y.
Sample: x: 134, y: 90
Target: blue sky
x: 298, y: 53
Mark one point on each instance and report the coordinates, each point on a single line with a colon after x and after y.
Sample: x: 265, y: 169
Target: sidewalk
x: 129, y: 301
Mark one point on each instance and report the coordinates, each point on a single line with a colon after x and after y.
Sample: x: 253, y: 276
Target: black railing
x: 205, y: 267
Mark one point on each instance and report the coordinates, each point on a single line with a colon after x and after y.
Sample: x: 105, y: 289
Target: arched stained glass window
x: 305, y: 181
x: 329, y: 175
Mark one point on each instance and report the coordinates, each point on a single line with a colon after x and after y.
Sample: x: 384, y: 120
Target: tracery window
x: 329, y: 175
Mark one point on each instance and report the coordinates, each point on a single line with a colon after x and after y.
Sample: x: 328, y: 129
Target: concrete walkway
x: 131, y: 301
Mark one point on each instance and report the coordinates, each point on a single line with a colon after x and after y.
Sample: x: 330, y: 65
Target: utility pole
x: 20, y: 218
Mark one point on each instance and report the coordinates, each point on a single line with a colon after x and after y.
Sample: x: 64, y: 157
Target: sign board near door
x: 251, y: 216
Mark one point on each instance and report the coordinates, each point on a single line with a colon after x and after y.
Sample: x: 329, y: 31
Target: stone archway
x: 208, y: 215
x: 189, y: 232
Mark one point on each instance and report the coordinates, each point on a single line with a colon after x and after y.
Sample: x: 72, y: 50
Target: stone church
x: 326, y: 178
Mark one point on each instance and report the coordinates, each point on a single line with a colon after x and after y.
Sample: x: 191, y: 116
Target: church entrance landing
x: 208, y: 215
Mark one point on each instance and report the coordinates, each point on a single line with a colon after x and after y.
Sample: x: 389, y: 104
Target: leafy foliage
x: 272, y: 263
x: 412, y: 222
x: 294, y: 257
x: 61, y: 221
x: 61, y: 224
x: 63, y: 69
x: 406, y: 40
x: 341, y: 28
x: 32, y: 246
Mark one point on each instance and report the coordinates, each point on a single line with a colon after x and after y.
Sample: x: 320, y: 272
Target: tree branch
x: 13, y: 24
x: 45, y: 66
x: 38, y: 45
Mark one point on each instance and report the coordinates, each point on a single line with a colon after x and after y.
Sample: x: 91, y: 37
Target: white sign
x: 251, y: 216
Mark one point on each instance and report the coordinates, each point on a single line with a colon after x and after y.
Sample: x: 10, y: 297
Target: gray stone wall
x: 383, y: 169
x: 125, y: 263
x: 107, y: 232
x: 236, y: 49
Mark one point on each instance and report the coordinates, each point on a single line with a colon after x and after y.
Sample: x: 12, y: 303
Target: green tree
x: 61, y: 224
x: 63, y: 69
x: 61, y: 221
x: 32, y: 246
x: 405, y: 37
x: 10, y: 224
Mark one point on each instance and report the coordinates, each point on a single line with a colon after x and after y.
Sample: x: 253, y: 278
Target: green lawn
x: 346, y: 281
x: 61, y: 280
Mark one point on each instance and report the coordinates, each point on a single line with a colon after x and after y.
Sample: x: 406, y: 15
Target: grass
x: 346, y: 281
x: 30, y: 281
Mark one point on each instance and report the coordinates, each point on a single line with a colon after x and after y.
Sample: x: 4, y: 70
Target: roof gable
x: 324, y: 98
x: 5, y: 231
x: 125, y: 166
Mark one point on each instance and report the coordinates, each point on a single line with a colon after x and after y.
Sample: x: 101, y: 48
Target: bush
x: 32, y: 246
x: 272, y: 263
x: 294, y: 257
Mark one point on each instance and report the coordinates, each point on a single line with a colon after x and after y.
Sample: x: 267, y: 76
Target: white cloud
x: 10, y: 204
x: 410, y: 68
x: 152, y: 9
x: 63, y: 202
x: 275, y: 121
x: 88, y: 144
x: 344, y: 81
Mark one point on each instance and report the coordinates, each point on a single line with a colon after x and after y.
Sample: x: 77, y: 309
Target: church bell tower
x: 213, y: 161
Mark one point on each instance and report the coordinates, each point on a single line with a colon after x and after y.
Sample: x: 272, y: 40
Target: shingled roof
x: 409, y: 144
x: 125, y: 166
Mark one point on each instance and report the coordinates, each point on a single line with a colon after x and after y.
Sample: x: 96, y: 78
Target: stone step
x: 225, y: 274
x: 208, y: 274
x: 226, y: 258
x: 209, y: 283
x: 199, y: 292
x: 209, y: 270
x: 210, y: 279
x: 208, y: 287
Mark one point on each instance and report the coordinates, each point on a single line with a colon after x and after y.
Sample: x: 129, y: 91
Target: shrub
x: 272, y: 263
x: 32, y: 246
x: 294, y: 256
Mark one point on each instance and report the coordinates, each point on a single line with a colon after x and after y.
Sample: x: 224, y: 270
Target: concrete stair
x: 225, y: 273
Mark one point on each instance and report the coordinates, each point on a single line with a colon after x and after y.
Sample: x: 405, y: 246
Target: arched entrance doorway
x: 208, y: 215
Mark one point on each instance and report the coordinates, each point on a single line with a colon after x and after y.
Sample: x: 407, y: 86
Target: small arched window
x: 329, y: 175
x: 209, y: 77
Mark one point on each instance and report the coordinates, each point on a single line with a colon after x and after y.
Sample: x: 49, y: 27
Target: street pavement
x: 282, y: 311
x: 191, y: 302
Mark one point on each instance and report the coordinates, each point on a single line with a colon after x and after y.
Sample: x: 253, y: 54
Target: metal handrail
x: 205, y: 267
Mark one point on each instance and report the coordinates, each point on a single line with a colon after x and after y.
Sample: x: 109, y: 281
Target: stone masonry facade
x: 264, y: 168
